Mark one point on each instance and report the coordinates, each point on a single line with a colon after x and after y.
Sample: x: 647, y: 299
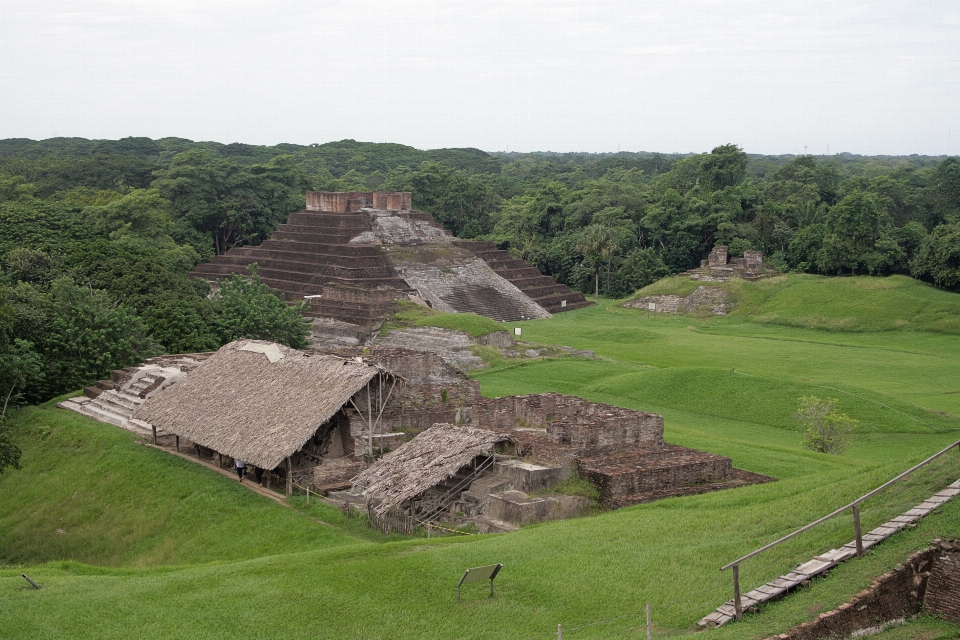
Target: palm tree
x: 597, y: 244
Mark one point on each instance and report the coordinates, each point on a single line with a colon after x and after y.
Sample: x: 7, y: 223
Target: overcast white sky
x: 872, y: 77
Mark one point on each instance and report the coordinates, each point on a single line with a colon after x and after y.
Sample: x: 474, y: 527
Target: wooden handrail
x: 853, y: 506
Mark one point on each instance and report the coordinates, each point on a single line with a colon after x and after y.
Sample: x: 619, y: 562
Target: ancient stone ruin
x: 544, y: 438
x: 929, y: 581
x: 353, y: 254
x: 719, y: 267
x: 321, y: 422
x: 711, y: 298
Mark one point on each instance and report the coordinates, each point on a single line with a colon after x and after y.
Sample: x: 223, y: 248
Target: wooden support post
x: 856, y: 529
x: 559, y: 632
x: 649, y: 623
x: 737, y: 605
x: 154, y: 434
x: 269, y: 476
x: 369, y: 423
x: 289, y: 477
x: 178, y: 443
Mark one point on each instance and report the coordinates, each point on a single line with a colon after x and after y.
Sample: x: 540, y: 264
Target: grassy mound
x: 413, y: 315
x: 727, y: 394
x: 860, y: 304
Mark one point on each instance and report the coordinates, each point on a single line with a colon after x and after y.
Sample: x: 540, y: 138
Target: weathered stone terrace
x: 335, y: 243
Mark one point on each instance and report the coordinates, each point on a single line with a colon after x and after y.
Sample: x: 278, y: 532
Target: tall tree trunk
x: 609, y: 261
x: 596, y: 282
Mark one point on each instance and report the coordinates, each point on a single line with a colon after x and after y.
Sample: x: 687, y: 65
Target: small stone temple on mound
x: 279, y: 409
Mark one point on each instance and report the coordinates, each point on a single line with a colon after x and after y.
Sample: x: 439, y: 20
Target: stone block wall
x: 353, y: 201
x: 392, y: 200
x: 620, y: 475
x: 943, y: 588
x: 588, y: 427
x: 434, y: 391
x: 718, y: 257
x: 753, y: 259
x: 336, y: 201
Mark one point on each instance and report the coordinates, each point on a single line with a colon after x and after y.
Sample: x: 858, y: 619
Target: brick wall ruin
x: 434, y: 392
x: 717, y: 258
x: 631, y: 473
x: 354, y: 201
x: 720, y: 267
x: 943, y: 588
x: 338, y: 240
x: 928, y: 581
x: 588, y: 427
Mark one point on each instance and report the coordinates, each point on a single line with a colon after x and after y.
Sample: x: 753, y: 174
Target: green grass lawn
x: 155, y: 546
x: 411, y: 315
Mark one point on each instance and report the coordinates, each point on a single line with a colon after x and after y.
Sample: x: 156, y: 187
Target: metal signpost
x: 477, y: 574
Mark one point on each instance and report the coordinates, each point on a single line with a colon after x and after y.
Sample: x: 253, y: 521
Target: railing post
x: 856, y: 529
x: 737, y: 605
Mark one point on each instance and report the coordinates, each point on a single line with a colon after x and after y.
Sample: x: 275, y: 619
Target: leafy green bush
x: 245, y: 307
x: 825, y: 429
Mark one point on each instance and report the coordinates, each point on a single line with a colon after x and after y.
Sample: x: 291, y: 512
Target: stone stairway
x: 114, y: 401
x: 482, y: 301
x: 825, y: 561
x: 312, y: 255
x: 544, y: 290
x: 117, y: 406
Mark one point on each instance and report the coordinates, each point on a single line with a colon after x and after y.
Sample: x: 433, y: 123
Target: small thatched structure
x: 430, y: 458
x: 261, y: 402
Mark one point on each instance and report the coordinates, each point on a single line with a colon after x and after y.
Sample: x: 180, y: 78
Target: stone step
x: 109, y: 406
x: 289, y: 242
x: 104, y: 415
x: 486, y: 524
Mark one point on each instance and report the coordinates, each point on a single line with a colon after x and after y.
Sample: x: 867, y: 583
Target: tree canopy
x: 99, y: 236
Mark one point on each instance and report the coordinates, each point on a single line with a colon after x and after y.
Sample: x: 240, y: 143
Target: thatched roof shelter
x: 430, y: 458
x: 258, y: 401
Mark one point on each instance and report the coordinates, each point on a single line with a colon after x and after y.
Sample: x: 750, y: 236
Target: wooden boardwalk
x: 776, y: 588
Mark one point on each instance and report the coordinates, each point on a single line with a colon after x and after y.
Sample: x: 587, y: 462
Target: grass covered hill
x: 155, y: 546
x: 853, y: 304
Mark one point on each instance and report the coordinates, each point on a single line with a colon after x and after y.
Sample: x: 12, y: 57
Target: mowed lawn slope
x: 94, y: 493
x: 727, y: 387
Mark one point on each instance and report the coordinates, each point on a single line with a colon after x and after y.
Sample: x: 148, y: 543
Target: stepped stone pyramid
x: 352, y: 254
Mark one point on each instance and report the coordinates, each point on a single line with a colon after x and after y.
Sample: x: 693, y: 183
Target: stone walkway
x: 776, y: 588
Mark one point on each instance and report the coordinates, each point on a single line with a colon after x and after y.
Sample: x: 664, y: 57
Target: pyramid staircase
x: 115, y: 400
x: 544, y: 290
x: 116, y: 406
x: 311, y: 254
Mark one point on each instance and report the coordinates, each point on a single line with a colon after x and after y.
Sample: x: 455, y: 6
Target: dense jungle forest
x: 98, y: 236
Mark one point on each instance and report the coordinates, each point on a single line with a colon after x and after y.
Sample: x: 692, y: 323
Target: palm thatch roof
x: 430, y: 458
x: 247, y: 403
